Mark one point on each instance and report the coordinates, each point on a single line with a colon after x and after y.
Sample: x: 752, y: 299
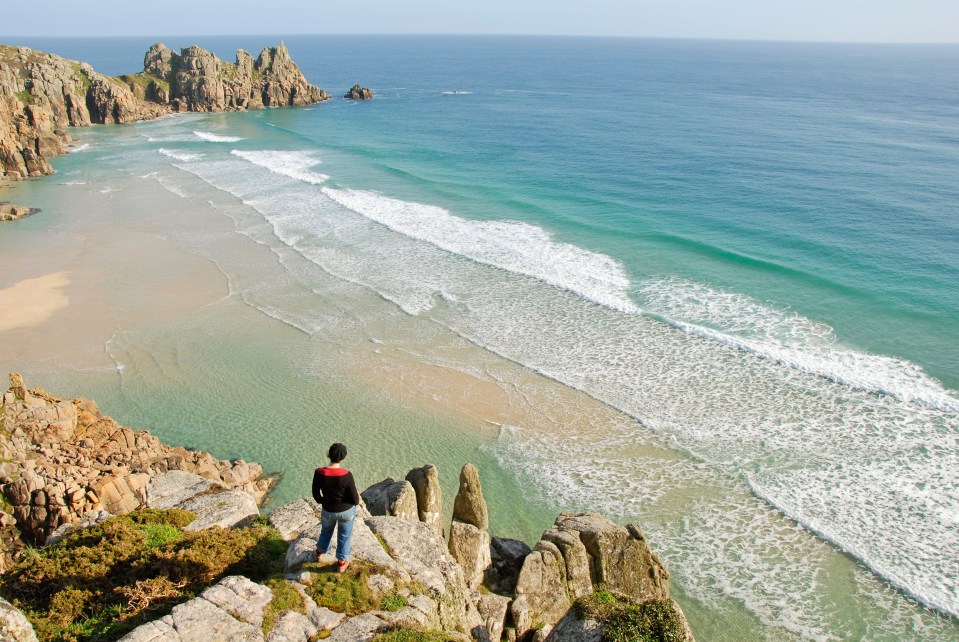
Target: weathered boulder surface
x: 359, y: 93
x: 170, y: 489
x: 228, y: 509
x: 60, y: 459
x: 470, y: 547
x: 230, y: 610
x: 469, y: 505
x: 392, y: 498
x: 14, y: 626
x: 469, y: 542
x: 573, y: 628
x: 619, y: 558
x: 418, y: 550
x: 492, y: 609
x: 42, y: 94
x: 429, y: 496
x: 580, y: 551
x: 295, y: 518
x: 11, y: 212
x: 541, y: 596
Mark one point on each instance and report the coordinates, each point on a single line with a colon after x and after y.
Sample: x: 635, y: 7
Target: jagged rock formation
x: 469, y: 506
x: 359, y: 93
x: 469, y: 540
x: 42, y: 94
x: 63, y: 458
x: 472, y: 587
x: 429, y: 496
x: 196, y: 80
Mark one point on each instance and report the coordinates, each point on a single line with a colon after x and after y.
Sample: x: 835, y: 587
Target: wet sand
x: 111, y: 275
x: 31, y: 302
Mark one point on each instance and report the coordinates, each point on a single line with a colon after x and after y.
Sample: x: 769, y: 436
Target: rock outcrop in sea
x: 359, y: 93
x: 65, y: 464
x: 42, y: 94
x: 11, y: 212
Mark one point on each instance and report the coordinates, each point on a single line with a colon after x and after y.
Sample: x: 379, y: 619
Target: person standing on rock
x: 335, y: 490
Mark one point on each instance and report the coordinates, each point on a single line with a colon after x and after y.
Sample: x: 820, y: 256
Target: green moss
x: 161, y: 534
x: 393, y: 602
x: 99, y: 583
x: 624, y: 621
x: 350, y: 593
x: 25, y: 97
x: 405, y: 634
x: 144, y: 84
x: 227, y: 71
x: 383, y: 544
x: 285, y: 598
x: 347, y: 592
x: 84, y: 78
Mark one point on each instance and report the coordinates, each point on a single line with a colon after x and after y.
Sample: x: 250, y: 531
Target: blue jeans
x: 343, y: 522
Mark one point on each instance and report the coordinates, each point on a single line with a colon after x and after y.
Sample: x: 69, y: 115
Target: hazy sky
x: 817, y: 20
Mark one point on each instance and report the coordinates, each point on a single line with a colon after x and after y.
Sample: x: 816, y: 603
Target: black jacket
x: 335, y: 489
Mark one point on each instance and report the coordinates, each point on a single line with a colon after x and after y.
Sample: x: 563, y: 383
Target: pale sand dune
x: 33, y: 301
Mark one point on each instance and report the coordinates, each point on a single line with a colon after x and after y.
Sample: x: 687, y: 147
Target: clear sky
x: 816, y: 20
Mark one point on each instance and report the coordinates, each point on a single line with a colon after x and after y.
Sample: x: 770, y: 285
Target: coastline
x: 411, y: 389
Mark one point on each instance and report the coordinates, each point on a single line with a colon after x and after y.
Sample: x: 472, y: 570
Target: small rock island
x: 359, y: 93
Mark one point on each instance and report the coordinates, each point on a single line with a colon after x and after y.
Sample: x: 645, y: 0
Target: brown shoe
x: 341, y: 566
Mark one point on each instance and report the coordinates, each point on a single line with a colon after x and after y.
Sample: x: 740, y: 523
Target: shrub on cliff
x: 99, y: 583
x: 624, y: 621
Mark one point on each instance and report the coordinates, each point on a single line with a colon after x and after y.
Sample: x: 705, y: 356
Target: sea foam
x: 509, y: 245
x: 767, y: 420
x: 789, y: 339
x: 294, y: 165
x: 180, y: 155
x: 216, y: 138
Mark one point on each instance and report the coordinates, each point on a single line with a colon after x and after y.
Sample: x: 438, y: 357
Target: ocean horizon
x: 711, y: 287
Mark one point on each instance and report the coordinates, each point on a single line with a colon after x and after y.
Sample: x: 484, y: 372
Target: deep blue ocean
x: 752, y: 248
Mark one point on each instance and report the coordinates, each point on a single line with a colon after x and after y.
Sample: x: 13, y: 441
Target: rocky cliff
x: 67, y: 466
x: 42, y: 94
x: 61, y: 459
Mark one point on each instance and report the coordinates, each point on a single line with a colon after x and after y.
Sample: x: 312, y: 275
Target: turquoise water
x: 750, y: 249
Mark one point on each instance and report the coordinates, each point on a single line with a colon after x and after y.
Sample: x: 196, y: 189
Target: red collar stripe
x: 332, y: 472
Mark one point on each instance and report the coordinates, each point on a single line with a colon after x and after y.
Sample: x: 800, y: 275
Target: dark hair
x: 337, y: 453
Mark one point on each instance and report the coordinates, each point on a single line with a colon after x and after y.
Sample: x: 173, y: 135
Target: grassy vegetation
x: 393, y: 603
x: 347, y: 592
x: 623, y: 621
x: 350, y: 593
x: 412, y: 635
x: 285, y: 598
x: 84, y: 78
x: 143, y: 84
x: 227, y: 71
x: 101, y: 582
x: 25, y: 97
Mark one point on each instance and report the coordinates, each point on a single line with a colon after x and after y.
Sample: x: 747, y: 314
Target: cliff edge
x: 42, y: 94
x: 148, y: 543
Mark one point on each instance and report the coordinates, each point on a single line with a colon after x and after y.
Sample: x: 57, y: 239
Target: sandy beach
x: 88, y: 269
x: 31, y: 302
